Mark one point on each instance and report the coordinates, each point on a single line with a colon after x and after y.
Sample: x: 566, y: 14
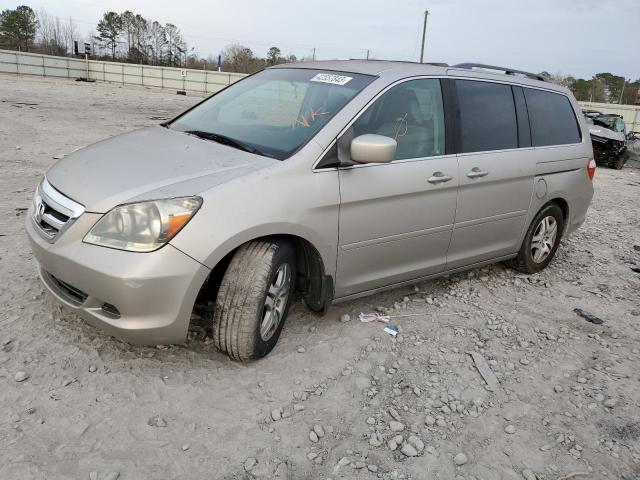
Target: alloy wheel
x: 275, y: 302
x: 544, y: 238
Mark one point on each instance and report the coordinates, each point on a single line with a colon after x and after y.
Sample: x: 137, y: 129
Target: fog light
x: 110, y: 310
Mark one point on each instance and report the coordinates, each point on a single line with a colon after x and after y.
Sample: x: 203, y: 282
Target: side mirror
x: 372, y: 148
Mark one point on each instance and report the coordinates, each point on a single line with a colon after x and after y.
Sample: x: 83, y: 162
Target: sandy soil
x: 410, y: 407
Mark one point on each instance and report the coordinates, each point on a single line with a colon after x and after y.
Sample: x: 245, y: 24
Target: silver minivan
x: 332, y: 180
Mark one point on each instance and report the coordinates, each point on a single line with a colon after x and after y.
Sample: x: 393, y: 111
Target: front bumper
x: 606, y: 149
x: 142, y: 298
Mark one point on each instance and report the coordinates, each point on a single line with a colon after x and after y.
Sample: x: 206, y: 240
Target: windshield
x: 274, y: 112
x: 612, y: 123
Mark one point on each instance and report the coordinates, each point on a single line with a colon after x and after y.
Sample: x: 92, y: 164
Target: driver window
x: 412, y: 114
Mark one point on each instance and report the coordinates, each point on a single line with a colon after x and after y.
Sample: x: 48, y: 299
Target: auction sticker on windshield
x: 331, y: 78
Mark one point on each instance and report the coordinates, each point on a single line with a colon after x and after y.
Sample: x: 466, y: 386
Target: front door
x: 396, y: 218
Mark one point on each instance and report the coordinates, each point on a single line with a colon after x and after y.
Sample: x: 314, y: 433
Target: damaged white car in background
x: 608, y: 136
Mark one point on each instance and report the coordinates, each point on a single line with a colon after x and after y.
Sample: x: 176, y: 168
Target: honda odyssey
x: 331, y: 180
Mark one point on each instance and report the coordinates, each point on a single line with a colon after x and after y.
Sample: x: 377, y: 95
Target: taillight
x: 591, y: 168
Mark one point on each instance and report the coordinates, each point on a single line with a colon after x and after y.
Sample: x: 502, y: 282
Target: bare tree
x: 50, y: 36
x: 69, y: 34
x: 239, y: 58
x: 158, y: 41
x: 140, y: 36
x: 97, y: 48
x: 561, y: 79
x: 128, y: 26
x: 175, y: 44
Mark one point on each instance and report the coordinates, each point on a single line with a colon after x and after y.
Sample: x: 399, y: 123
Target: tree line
x: 130, y: 37
x: 124, y: 37
x: 601, y: 88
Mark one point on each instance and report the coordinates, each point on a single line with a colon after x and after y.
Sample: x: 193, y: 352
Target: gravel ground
x: 337, y: 398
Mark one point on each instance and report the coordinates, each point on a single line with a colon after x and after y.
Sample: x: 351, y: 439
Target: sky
x: 578, y: 37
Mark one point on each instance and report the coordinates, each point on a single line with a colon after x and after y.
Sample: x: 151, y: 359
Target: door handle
x: 439, y: 177
x: 477, y: 173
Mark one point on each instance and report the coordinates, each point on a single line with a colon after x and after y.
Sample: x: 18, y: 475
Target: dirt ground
x: 335, y: 399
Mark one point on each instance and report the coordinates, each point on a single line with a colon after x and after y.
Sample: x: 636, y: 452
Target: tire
x: 250, y: 300
x: 619, y: 162
x: 531, y: 259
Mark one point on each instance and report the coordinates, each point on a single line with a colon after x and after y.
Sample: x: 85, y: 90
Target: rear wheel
x: 254, y: 299
x: 541, y: 240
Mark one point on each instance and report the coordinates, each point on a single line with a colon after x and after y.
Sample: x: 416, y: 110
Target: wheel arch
x: 564, y: 208
x: 312, y: 280
x: 563, y: 204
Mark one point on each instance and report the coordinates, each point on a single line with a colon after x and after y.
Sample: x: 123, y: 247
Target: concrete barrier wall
x: 202, y: 81
x: 630, y: 113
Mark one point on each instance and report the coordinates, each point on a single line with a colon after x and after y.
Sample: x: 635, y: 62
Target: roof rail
x: 507, y: 71
x: 435, y: 64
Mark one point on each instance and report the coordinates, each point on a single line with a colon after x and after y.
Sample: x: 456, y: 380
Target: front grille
x: 53, y: 211
x: 73, y: 294
x: 51, y: 220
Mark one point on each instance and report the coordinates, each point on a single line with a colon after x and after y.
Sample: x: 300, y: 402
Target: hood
x: 598, y: 131
x: 154, y: 162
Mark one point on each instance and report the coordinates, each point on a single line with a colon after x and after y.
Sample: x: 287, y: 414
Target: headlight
x: 145, y: 226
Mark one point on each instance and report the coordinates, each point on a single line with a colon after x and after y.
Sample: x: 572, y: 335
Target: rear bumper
x: 142, y: 298
x: 578, y: 207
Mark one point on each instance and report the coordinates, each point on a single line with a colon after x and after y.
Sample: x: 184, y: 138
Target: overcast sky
x: 579, y: 37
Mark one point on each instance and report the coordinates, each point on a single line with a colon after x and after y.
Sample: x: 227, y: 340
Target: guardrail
x: 201, y: 81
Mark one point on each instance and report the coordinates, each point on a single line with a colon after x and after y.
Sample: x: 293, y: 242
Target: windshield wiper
x: 223, y: 139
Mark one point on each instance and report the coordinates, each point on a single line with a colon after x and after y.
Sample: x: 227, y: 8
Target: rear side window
x: 552, y: 119
x: 487, y: 116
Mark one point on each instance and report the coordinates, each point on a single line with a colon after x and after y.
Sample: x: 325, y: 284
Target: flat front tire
x: 254, y: 299
x: 541, y: 240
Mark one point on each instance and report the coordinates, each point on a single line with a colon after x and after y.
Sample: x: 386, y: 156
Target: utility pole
x: 424, y: 35
x: 314, y: 54
x: 622, y: 92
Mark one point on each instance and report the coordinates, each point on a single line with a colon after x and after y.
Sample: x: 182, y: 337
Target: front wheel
x: 541, y: 240
x: 254, y: 299
x: 619, y: 162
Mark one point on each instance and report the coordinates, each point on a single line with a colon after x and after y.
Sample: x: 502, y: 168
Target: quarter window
x: 552, y: 119
x: 412, y: 114
x: 487, y: 116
